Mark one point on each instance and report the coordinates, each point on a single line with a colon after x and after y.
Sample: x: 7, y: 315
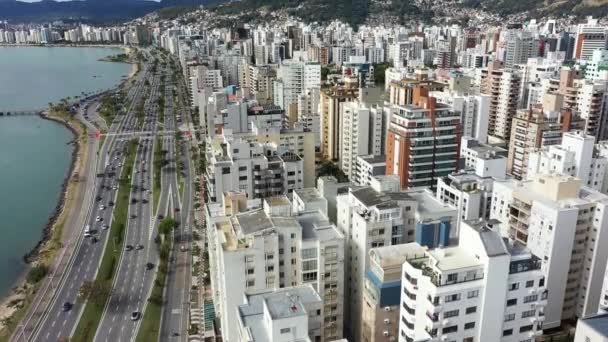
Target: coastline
x: 17, y: 295
x: 16, y: 303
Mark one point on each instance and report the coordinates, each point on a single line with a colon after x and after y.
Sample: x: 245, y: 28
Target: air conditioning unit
x: 387, y: 308
x: 385, y: 333
x: 387, y: 321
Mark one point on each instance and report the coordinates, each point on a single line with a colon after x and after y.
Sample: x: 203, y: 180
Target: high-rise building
x: 503, y: 87
x: 371, y: 218
x: 423, y: 141
x: 534, y: 128
x: 361, y: 134
x: 254, y: 250
x: 485, y: 289
x: 589, y: 37
x: 332, y: 101
x: 565, y: 226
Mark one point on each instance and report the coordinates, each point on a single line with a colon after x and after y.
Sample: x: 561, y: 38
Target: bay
x: 34, y: 155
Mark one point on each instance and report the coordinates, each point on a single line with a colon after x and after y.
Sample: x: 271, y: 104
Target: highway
x: 133, y: 280
x: 58, y: 323
x: 174, y: 321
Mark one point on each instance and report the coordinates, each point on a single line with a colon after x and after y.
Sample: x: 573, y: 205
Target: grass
x: 91, y: 316
x: 150, y: 326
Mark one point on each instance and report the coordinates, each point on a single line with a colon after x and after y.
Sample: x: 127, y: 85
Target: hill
x: 95, y: 11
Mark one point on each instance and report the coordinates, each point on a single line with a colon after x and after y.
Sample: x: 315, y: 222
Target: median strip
x: 96, y: 292
x: 150, y: 327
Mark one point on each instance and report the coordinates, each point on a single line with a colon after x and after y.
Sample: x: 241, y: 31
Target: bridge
x: 20, y: 112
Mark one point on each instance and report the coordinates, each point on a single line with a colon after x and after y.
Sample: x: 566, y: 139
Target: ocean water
x: 34, y: 155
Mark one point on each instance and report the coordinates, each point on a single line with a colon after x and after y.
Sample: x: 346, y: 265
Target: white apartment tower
x: 485, y: 289
x: 565, y: 225
x: 362, y: 134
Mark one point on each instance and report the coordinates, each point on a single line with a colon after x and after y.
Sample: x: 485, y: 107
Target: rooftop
x: 374, y: 159
x: 370, y: 197
x: 316, y: 226
x: 309, y: 195
x: 598, y: 323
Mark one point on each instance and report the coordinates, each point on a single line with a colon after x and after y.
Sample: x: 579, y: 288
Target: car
x: 149, y: 266
x: 104, y: 226
x: 67, y: 306
x: 128, y: 248
x: 98, y: 219
x: 135, y: 315
x: 133, y: 200
x: 184, y: 248
x: 111, y: 204
x: 114, y: 187
x: 176, y: 210
x: 98, y: 198
x: 102, y: 207
x: 133, y: 216
x: 160, y: 216
x: 139, y: 247
x: 93, y: 240
x: 144, y: 201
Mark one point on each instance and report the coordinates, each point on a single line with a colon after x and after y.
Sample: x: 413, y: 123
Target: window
x: 514, y: 286
x: 447, y: 330
x: 473, y: 294
x: 529, y: 313
x: 509, y: 317
x: 243, y: 178
x: 285, y: 330
x: 541, y: 282
x: 311, y: 276
x: 469, y: 325
x: 309, y: 253
x: 225, y: 170
x: 526, y: 328
x: 269, y: 268
x: 269, y: 256
x: 242, y: 168
x: 250, y: 283
x: 452, y: 313
x: 471, y: 309
x: 293, y: 249
x: 531, y: 298
x: 512, y: 302
x: 250, y: 271
x: 529, y: 283
x: 507, y: 332
x: 452, y: 277
x: 452, y: 298
x: 309, y: 265
x: 468, y: 339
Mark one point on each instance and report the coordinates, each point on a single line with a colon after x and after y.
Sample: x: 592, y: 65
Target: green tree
x: 37, y: 273
x: 167, y: 225
x: 95, y: 291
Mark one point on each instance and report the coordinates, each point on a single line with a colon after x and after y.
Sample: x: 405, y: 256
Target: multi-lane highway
x: 137, y: 265
x: 139, y: 257
x: 62, y: 314
x: 174, y: 321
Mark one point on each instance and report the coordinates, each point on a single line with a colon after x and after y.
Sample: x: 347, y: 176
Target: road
x: 57, y: 323
x: 174, y: 321
x: 133, y: 280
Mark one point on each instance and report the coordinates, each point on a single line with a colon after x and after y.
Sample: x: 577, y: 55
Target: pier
x: 20, y: 112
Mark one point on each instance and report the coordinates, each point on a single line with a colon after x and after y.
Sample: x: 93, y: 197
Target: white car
x: 98, y: 219
x: 104, y: 226
x: 115, y: 187
x: 102, y: 207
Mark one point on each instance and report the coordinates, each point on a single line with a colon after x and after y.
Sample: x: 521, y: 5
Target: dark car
x: 111, y: 203
x: 93, y: 240
x: 149, y: 266
x: 98, y: 198
x: 135, y: 315
x: 160, y: 217
x: 176, y: 210
x: 67, y: 306
x: 128, y: 248
x: 139, y: 247
x: 133, y: 216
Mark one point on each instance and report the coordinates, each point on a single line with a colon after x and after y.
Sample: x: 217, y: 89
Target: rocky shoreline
x: 47, y: 232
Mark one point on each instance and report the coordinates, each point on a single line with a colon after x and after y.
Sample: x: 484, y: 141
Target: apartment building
x: 295, y: 78
x: 361, y: 134
x: 423, y: 141
x: 369, y: 218
x: 485, y: 289
x: 503, y: 87
x: 382, y: 291
x: 590, y: 36
x: 265, y: 248
x: 486, y: 160
x: 474, y: 112
x: 259, y: 170
x: 534, y: 128
x: 368, y: 167
x: 401, y: 92
x: 332, y: 101
x: 576, y: 156
x: 290, y: 314
x: 564, y: 224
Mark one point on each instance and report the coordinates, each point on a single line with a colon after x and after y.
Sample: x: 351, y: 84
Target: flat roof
x: 309, y: 195
x: 316, y: 226
x: 427, y: 203
x: 370, y: 197
x: 453, y: 258
x: 253, y: 221
x: 598, y: 323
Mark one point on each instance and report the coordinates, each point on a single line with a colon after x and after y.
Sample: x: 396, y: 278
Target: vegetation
x: 352, y: 11
x: 120, y: 58
x: 379, y: 71
x: 328, y: 168
x: 37, y: 273
x: 173, y: 12
x: 109, y: 107
x: 150, y: 327
x: 157, y: 165
x: 93, y: 310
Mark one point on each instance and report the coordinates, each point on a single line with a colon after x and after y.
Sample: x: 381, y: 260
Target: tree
x: 167, y: 225
x: 95, y: 291
x: 328, y: 168
x: 37, y: 273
